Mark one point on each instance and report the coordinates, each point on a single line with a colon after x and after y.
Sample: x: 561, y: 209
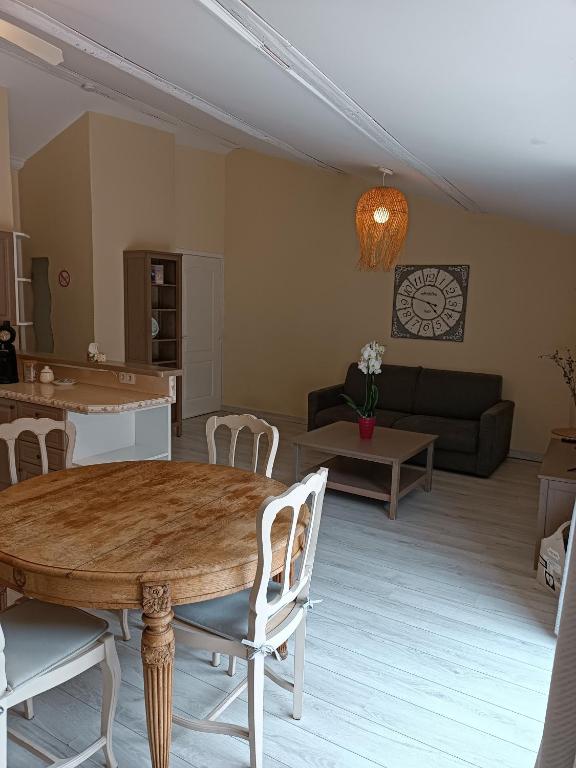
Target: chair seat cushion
x: 224, y: 616
x: 40, y: 636
x: 453, y: 434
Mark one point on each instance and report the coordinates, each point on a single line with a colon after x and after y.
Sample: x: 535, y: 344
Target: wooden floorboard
x: 432, y: 647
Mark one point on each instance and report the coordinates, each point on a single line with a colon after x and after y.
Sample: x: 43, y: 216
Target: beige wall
x: 132, y: 174
x: 6, y: 208
x: 199, y: 198
x: 16, y: 200
x: 56, y: 214
x: 297, y: 310
x: 128, y: 187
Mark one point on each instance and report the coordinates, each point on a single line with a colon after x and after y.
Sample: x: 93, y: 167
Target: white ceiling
x: 470, y: 101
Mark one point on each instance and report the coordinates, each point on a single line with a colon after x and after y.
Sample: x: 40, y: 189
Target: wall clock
x: 430, y: 302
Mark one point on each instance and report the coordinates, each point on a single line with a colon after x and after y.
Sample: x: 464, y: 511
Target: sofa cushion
x: 453, y: 434
x: 396, y: 386
x: 455, y: 394
x: 345, y: 413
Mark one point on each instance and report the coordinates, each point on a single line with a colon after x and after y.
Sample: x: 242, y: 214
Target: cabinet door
x: 7, y: 297
x: 7, y: 414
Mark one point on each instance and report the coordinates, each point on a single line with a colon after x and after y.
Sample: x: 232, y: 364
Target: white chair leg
x: 124, y: 624
x: 3, y: 737
x: 256, y: 710
x: 299, y: 648
x: 215, y: 660
x: 231, y: 665
x: 29, y: 709
x: 111, y: 677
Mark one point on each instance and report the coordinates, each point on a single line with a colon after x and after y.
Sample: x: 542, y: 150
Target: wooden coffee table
x: 374, y: 468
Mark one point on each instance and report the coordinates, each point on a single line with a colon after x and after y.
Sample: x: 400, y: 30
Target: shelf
x: 138, y: 452
x: 163, y: 285
x: 23, y: 279
x: 164, y: 309
x: 166, y: 362
x: 157, y: 339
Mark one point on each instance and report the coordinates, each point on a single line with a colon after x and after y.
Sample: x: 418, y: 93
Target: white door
x: 202, y: 299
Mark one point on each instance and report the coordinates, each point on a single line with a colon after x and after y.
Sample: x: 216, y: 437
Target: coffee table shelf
x: 374, y: 468
x: 363, y: 478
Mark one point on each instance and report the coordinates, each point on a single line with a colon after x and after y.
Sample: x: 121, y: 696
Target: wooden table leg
x: 429, y: 467
x: 158, y: 661
x: 394, y: 490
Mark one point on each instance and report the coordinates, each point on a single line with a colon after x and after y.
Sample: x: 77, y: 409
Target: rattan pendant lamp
x: 381, y: 225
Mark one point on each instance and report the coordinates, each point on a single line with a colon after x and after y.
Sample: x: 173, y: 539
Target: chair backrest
x: 309, y: 491
x: 10, y: 432
x: 258, y: 427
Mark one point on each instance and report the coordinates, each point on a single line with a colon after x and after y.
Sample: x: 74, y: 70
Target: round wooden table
x: 138, y: 535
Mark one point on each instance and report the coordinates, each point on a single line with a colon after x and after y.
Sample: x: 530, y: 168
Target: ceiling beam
x: 90, y: 85
x: 42, y: 22
x: 245, y: 22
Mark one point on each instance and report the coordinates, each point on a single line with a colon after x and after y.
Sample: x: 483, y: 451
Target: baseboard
x: 268, y: 415
x: 525, y: 456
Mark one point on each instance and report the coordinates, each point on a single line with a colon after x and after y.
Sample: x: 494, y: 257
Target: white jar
x: 46, y: 375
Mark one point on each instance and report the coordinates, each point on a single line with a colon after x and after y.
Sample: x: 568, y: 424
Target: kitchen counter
x: 48, y: 358
x: 83, y: 397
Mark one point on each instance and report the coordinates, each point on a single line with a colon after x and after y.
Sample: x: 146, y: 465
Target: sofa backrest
x: 396, y: 384
x: 456, y: 394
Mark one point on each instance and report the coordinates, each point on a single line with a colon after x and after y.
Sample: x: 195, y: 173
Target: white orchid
x: 370, y: 364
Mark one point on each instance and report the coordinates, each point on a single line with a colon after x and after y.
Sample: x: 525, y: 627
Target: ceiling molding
x: 16, y: 162
x: 42, y: 22
x: 249, y: 25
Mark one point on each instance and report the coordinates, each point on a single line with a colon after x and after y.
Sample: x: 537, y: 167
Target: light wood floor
x: 432, y: 647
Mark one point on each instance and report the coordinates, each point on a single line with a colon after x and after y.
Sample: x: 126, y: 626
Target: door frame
x: 220, y: 257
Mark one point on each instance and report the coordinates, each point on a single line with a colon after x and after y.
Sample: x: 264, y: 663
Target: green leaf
x: 353, y: 405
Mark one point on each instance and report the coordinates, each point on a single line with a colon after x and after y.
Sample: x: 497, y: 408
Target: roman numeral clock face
x: 430, y: 302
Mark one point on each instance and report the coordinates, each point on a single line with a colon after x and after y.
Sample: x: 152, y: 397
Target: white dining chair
x: 9, y: 434
x: 252, y: 624
x: 43, y: 646
x: 236, y: 424
x: 258, y: 427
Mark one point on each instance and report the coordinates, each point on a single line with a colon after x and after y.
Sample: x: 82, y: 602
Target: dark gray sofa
x: 465, y: 410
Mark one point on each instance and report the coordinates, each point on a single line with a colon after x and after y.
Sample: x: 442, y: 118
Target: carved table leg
x: 3, y: 598
x: 158, y: 660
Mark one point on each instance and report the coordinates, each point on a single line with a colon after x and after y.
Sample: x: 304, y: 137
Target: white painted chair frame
x: 10, y: 432
x: 236, y: 423
x: 103, y: 652
x: 263, y: 640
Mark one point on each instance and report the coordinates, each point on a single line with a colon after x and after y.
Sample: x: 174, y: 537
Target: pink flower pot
x: 366, y: 427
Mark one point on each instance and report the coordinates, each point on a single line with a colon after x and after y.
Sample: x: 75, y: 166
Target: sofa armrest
x: 494, y: 436
x: 321, y: 399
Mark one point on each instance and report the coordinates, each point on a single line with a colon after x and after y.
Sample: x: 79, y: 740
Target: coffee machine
x: 8, y: 365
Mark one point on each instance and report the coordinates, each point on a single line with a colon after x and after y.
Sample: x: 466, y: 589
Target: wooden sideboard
x: 557, y: 490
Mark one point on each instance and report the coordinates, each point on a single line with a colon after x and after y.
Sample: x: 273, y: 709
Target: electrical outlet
x: 127, y: 378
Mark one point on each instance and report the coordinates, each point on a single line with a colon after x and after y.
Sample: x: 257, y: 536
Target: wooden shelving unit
x: 145, y: 301
x: 15, y: 287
